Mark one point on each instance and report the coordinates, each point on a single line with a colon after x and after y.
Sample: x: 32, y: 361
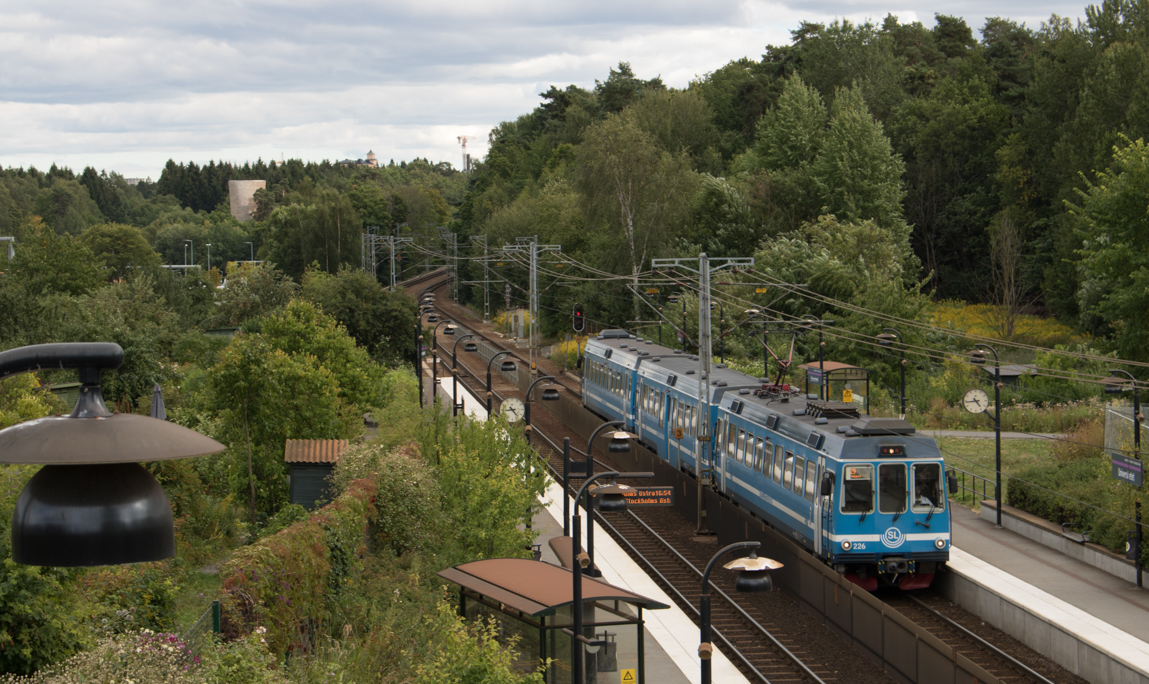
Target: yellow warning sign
x: 760, y: 290
x: 628, y: 677
x: 848, y: 396
x: 678, y: 433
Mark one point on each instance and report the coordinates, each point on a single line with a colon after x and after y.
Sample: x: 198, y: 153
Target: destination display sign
x: 1126, y: 469
x: 643, y: 497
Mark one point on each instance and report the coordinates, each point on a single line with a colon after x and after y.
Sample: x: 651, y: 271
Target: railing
x: 208, y: 623
x: 974, y: 485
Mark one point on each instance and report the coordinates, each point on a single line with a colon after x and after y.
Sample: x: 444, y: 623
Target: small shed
x: 310, y: 462
x: 841, y: 377
x: 533, y: 600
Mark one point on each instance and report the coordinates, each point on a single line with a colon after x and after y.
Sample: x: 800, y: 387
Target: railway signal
x: 579, y: 321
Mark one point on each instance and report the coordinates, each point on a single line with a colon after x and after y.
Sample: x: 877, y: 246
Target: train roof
x: 832, y: 423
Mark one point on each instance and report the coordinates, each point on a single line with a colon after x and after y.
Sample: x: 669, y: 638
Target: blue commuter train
x: 863, y: 494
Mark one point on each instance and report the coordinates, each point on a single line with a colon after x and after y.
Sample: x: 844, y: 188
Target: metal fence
x: 971, y: 486
x: 1118, y: 430
x: 207, y: 624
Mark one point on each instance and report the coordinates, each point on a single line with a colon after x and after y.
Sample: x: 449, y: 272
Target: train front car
x: 889, y: 524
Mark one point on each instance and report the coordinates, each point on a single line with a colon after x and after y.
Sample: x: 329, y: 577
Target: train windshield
x: 858, y: 489
x: 927, y: 487
x: 892, y: 488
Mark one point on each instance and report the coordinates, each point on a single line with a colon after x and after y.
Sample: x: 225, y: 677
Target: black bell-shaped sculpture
x: 92, y: 503
x: 550, y: 394
x: 103, y: 514
x: 507, y: 366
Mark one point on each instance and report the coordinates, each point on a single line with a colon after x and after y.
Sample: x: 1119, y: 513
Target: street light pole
x: 502, y: 353
x: 886, y: 339
x: 209, y: 256
x: 527, y: 407
x: 616, y: 446
x: 435, y: 359
x: 1137, y: 455
x: 978, y: 358
x: 252, y: 250
x: 455, y: 373
x: 754, y: 577
x: 192, y: 252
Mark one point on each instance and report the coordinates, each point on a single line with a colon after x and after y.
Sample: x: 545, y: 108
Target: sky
x: 125, y: 85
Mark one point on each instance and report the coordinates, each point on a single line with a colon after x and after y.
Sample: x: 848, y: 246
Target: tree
x: 321, y: 226
x: 253, y: 292
x: 634, y: 187
x: 122, y: 249
x: 66, y: 207
x: 378, y: 320
x: 1115, y: 248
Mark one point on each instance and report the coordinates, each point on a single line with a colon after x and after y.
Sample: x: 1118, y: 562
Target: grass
x: 977, y: 456
x: 196, y: 592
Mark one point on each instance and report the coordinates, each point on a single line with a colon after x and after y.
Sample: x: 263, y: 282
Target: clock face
x: 975, y: 401
x: 512, y: 408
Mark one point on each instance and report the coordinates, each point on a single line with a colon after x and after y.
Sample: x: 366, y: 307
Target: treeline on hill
x: 871, y: 161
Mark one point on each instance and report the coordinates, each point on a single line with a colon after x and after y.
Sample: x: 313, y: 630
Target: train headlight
x: 941, y: 543
x: 846, y: 545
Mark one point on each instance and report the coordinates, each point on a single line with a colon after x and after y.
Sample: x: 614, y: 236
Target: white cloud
x: 127, y: 84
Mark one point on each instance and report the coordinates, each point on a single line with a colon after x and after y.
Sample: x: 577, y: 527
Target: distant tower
x: 242, y: 196
x: 371, y: 160
x: 466, y: 157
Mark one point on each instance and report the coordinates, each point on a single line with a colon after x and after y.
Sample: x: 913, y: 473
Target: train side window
x: 858, y: 488
x: 741, y: 456
x: 757, y: 465
x: 788, y: 471
x: 927, y: 494
x: 811, y: 479
x: 799, y: 474
x: 778, y: 463
x: 892, y: 488
x: 693, y: 421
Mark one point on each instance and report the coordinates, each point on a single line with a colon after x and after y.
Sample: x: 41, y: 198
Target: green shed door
x: 309, y: 484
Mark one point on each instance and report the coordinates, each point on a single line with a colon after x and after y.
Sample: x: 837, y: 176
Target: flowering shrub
x: 143, y: 657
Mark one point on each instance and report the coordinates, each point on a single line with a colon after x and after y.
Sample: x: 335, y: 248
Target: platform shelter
x: 843, y: 382
x: 533, y: 600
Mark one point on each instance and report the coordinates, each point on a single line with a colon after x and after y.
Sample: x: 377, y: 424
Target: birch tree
x: 633, y: 188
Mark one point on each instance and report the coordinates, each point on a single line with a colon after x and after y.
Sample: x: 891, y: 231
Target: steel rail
x: 982, y: 642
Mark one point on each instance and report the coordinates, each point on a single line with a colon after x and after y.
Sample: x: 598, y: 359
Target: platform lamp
x: 548, y: 394
x: 506, y: 366
x: 619, y: 444
x: 455, y: 403
x: 753, y: 576
x: 1117, y: 388
x: 886, y: 339
x: 612, y: 502
x: 435, y: 353
x: 92, y: 503
x: 977, y: 357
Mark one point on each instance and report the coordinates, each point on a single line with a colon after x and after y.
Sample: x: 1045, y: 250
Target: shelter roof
x: 314, y: 450
x: 534, y: 587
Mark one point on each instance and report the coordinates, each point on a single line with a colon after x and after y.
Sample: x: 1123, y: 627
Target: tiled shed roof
x: 314, y: 450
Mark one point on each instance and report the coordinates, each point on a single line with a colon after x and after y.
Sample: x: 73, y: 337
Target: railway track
x: 762, y: 648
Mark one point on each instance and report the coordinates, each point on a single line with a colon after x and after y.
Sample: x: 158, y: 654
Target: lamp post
x: 549, y: 394
x: 455, y: 403
x: 91, y: 503
x: 506, y: 366
x: 823, y: 385
x: 978, y: 357
x: 610, y: 503
x: 753, y: 576
x: 209, y: 256
x: 192, y: 251
x: 252, y: 250
x: 1114, y: 389
x: 619, y: 444
x: 435, y: 356
x: 886, y: 339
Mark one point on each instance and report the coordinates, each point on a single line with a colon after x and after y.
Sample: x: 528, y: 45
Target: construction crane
x: 466, y: 157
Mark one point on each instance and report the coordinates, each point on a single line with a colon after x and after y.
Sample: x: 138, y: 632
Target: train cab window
x: 788, y: 470
x: 892, y: 488
x: 857, y: 488
x: 927, y: 494
x: 811, y: 479
x: 799, y: 474
x: 778, y: 461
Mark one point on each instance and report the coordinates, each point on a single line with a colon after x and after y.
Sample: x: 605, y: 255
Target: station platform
x: 1090, y: 622
x: 671, y: 637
